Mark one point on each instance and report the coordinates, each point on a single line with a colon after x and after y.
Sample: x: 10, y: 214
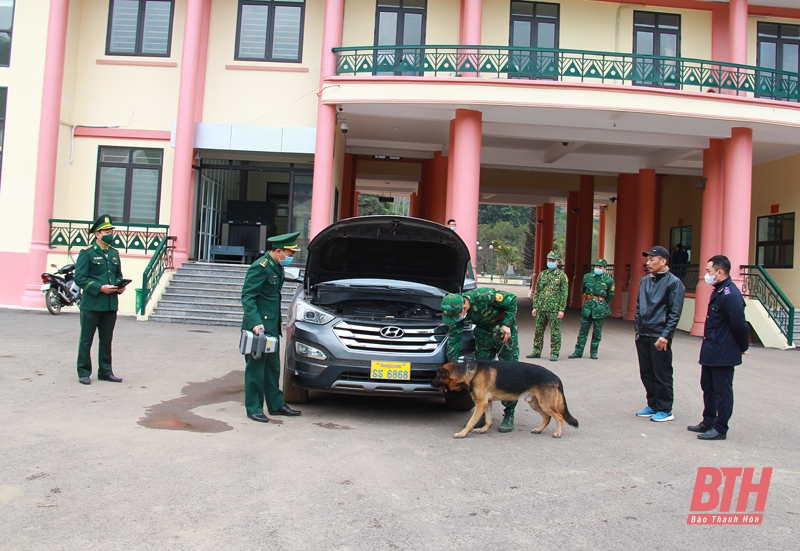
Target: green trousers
x: 261, y: 382
x: 597, y: 334
x: 103, y: 323
x: 542, y: 319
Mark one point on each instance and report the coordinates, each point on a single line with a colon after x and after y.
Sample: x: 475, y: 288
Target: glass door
x: 534, y: 24
x: 399, y: 23
x: 657, y: 34
x: 300, y: 212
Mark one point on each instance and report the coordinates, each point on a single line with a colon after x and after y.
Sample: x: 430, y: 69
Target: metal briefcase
x: 256, y: 345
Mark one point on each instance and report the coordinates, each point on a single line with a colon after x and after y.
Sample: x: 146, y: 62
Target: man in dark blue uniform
x: 725, y: 338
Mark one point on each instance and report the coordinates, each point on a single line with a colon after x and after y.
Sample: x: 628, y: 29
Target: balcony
x: 501, y: 62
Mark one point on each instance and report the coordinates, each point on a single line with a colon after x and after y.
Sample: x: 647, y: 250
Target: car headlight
x: 308, y: 351
x: 305, y: 312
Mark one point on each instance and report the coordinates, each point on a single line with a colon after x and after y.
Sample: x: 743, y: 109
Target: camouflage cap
x: 552, y: 255
x: 451, y: 308
x: 601, y: 262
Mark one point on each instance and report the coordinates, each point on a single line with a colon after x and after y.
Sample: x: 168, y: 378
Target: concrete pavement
x: 167, y: 460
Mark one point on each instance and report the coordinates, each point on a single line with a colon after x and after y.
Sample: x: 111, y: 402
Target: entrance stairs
x: 205, y: 293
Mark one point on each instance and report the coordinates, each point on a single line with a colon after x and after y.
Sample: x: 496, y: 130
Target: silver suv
x: 367, y: 318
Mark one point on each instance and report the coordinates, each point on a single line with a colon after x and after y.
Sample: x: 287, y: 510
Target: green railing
x: 129, y: 238
x: 570, y: 65
x: 689, y: 274
x: 758, y: 284
x: 160, y: 263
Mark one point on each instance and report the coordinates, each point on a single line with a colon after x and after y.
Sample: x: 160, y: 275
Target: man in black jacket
x: 725, y: 338
x: 658, y: 309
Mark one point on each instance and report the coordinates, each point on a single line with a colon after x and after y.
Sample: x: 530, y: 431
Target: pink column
x: 201, y: 69
x: 181, y: 210
x: 48, y: 150
x: 448, y: 211
x: 737, y: 33
x: 322, y: 185
x: 736, y: 199
x: 711, y: 230
x: 471, y: 20
x: 583, y: 249
x: 642, y: 233
x: 467, y: 175
x: 720, y: 33
x: 622, y: 240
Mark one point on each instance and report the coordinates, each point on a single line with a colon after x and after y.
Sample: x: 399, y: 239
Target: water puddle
x: 176, y: 414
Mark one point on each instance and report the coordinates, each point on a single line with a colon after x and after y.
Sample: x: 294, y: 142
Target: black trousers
x: 717, y: 385
x: 655, y: 369
x: 103, y: 323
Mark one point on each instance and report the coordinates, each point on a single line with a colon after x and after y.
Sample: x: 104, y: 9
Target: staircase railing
x: 759, y: 285
x: 159, y: 263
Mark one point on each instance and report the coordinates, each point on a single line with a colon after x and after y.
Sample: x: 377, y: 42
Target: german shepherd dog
x: 488, y: 381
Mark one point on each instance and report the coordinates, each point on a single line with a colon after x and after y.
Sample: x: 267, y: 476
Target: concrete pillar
x: 348, y: 186
x: 711, y: 235
x: 736, y: 200
x: 737, y: 31
x: 622, y: 239
x: 413, y: 207
x: 47, y: 155
x: 642, y: 233
x: 322, y: 185
x: 467, y: 176
x: 537, y: 247
x: 583, y: 247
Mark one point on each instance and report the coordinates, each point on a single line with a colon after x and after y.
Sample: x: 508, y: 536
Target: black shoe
x: 285, y: 410
x: 260, y: 417
x: 85, y: 380
x: 700, y: 427
x: 110, y: 378
x: 712, y: 434
x: 574, y: 356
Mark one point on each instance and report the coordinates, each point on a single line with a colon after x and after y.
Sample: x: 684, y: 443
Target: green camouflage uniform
x: 549, y: 298
x: 598, y: 292
x: 489, y: 310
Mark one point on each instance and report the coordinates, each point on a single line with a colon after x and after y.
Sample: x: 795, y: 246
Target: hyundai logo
x: 392, y: 332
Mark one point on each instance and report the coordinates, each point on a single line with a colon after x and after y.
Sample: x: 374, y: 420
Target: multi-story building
x: 192, y: 118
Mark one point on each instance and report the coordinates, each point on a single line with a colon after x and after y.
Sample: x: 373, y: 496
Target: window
x: 399, y: 23
x: 681, y: 235
x: 656, y: 34
x: 778, y: 48
x: 270, y: 30
x: 3, y: 96
x: 129, y: 184
x: 534, y: 25
x: 6, y: 22
x: 140, y: 27
x: 775, y: 241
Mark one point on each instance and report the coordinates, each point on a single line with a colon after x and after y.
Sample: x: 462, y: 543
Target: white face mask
x: 710, y: 279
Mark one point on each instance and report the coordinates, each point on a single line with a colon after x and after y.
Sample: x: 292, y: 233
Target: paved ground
x: 80, y: 467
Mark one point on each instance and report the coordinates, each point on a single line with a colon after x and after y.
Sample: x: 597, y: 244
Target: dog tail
x: 567, y: 415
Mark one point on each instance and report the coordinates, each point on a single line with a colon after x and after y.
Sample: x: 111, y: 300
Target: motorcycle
x: 60, y: 289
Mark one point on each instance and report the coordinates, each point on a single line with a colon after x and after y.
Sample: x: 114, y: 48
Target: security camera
x: 339, y: 108
x: 344, y: 127
x: 565, y: 144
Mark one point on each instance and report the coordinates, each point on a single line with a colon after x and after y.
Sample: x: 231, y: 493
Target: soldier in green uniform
x: 598, y: 292
x: 261, y: 301
x: 97, y: 273
x: 549, y: 302
x: 494, y: 314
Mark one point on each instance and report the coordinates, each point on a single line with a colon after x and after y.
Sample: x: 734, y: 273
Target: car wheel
x: 459, y: 401
x: 292, y: 394
x: 52, y: 301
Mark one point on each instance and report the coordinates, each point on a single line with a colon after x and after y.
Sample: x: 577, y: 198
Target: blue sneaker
x: 646, y: 412
x: 663, y: 416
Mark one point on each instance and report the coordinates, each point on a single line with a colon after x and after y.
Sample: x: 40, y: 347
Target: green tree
x: 506, y: 255
x: 492, y: 214
x: 370, y: 204
x: 529, y: 249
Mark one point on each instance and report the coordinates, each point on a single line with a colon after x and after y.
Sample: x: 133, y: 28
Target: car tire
x: 459, y: 401
x: 292, y: 394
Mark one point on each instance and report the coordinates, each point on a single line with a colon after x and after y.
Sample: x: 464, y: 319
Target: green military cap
x: 451, y: 308
x: 552, y: 255
x: 285, y: 241
x: 103, y: 222
x: 601, y: 262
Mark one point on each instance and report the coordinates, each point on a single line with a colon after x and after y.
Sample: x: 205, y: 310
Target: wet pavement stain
x: 176, y: 414
x: 333, y: 426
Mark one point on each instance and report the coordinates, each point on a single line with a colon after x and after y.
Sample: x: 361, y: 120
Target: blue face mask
x: 598, y: 271
x: 552, y: 265
x: 286, y: 261
x: 461, y: 318
x: 453, y: 228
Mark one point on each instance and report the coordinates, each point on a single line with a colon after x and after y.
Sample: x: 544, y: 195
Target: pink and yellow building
x: 192, y: 118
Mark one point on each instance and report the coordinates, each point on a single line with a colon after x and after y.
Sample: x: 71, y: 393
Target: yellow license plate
x: 396, y: 371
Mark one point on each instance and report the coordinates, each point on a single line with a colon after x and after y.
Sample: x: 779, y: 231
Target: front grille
x: 416, y: 378
x: 367, y: 338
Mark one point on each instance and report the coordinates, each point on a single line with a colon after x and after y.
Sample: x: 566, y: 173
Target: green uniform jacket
x: 550, y: 294
x: 489, y: 309
x: 261, y: 295
x: 97, y: 267
x: 601, y: 286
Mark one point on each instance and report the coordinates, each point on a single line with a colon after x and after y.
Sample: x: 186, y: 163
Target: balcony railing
x: 567, y: 65
x: 128, y: 238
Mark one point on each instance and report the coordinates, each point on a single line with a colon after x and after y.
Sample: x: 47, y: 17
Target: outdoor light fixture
x: 701, y: 185
x: 612, y: 200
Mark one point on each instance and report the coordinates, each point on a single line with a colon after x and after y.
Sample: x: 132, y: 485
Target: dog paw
x: 536, y: 431
x: 556, y: 435
x: 459, y: 435
x: 481, y: 430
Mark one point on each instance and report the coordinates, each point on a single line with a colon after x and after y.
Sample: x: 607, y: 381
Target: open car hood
x: 388, y: 247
